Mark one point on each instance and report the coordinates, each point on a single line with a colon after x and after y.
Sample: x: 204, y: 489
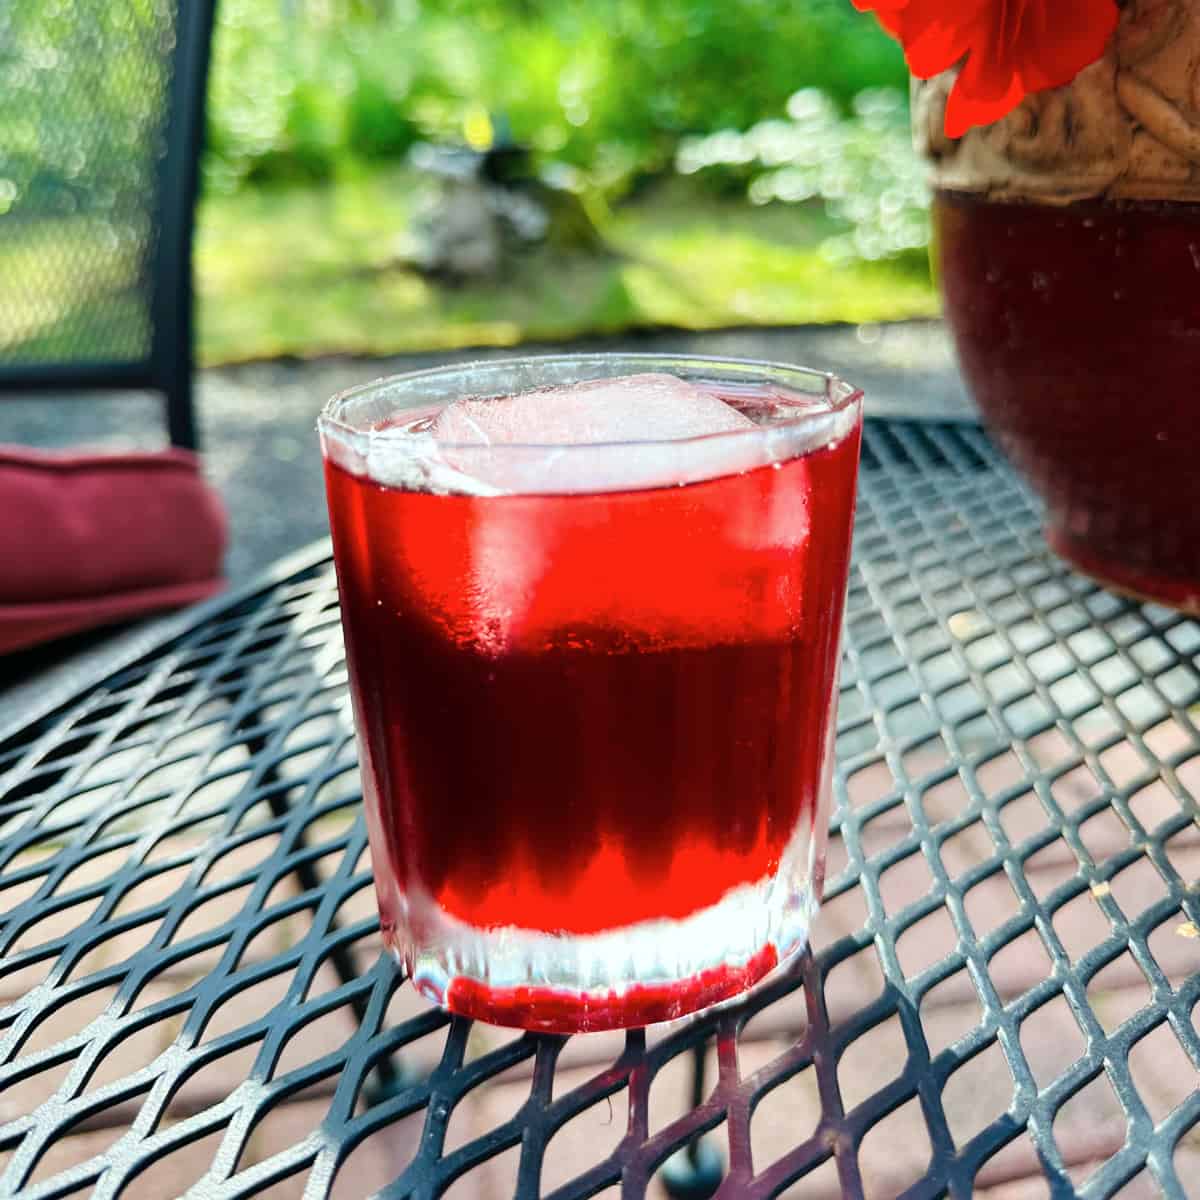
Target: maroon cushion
x: 90, y: 538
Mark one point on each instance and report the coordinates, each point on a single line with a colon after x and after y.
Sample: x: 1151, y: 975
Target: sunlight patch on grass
x: 316, y: 270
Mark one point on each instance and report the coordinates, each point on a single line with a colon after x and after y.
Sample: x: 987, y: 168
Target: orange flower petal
x: 983, y: 92
x: 1007, y: 48
x: 1035, y: 45
x: 1065, y: 37
x: 934, y: 42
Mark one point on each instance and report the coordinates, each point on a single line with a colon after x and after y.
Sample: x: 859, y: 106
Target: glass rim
x: 841, y: 396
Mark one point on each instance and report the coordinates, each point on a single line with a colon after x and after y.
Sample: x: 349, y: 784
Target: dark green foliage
x: 609, y: 86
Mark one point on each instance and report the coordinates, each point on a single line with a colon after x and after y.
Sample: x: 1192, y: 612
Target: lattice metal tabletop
x: 1005, y: 977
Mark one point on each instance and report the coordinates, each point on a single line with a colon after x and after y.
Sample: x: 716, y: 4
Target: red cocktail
x: 594, y: 682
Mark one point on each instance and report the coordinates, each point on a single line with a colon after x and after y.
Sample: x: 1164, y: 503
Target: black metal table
x: 1006, y: 971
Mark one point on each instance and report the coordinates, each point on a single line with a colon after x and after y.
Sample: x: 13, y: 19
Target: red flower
x: 1008, y: 48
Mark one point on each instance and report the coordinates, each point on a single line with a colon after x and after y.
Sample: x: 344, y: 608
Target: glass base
x: 1139, y: 583
x: 638, y: 975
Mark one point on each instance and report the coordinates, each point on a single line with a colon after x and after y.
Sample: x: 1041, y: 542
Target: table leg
x: 696, y: 1172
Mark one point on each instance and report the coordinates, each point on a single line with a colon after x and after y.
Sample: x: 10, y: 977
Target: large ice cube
x: 634, y: 432
x: 637, y: 408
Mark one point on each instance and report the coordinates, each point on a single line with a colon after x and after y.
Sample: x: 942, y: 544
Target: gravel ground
x: 257, y: 420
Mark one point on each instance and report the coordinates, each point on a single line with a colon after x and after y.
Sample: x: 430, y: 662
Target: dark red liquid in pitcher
x: 585, y: 711
x: 1078, y: 328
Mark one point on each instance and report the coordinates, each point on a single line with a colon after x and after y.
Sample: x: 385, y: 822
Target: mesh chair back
x: 101, y: 115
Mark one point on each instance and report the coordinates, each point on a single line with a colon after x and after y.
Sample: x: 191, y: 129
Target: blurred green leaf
x: 862, y: 169
x: 609, y: 86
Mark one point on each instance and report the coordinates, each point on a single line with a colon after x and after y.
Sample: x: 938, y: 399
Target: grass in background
x: 317, y: 269
x: 315, y: 104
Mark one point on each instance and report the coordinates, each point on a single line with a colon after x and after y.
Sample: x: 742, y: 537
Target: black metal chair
x: 99, y: 216
x: 101, y: 126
